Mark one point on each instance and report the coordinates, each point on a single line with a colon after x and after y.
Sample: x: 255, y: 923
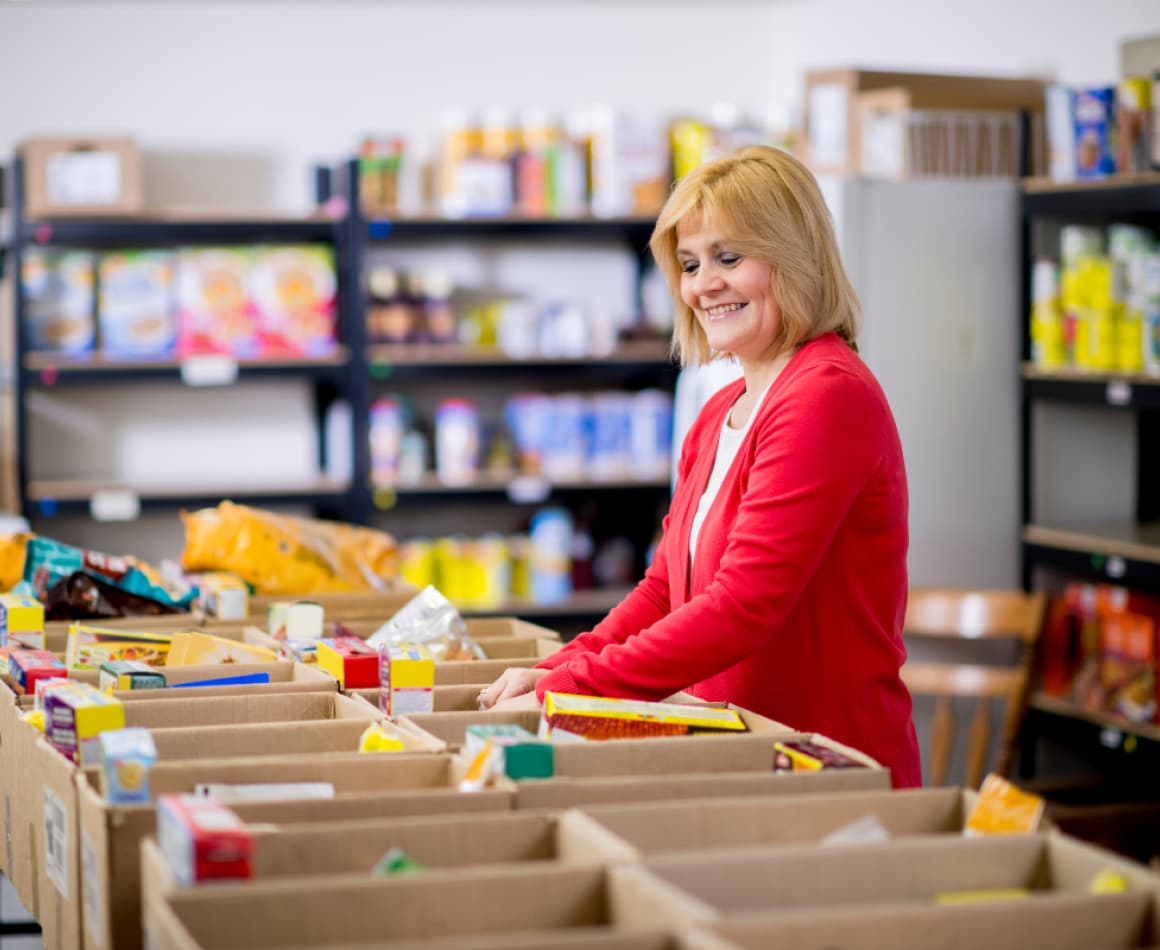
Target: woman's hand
x: 514, y: 681
x: 518, y: 703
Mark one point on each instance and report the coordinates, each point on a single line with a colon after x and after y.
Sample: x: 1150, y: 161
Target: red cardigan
x: 794, y: 604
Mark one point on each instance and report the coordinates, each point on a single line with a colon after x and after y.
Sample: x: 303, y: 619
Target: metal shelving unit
x: 1123, y: 553
x: 332, y: 376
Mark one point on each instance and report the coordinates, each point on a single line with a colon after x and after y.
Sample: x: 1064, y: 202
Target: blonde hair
x: 769, y: 207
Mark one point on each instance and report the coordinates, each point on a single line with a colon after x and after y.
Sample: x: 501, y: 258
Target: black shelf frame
x: 330, y: 381
x: 1136, y: 202
x: 327, y: 503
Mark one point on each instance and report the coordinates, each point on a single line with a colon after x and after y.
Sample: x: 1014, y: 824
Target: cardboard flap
x: 641, y: 899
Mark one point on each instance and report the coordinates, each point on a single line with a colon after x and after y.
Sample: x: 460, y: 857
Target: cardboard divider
x: 693, y: 753
x: 658, y: 827
x: 459, y: 672
x: 110, y: 835
x: 1073, y: 922
x: 715, y: 884
x: 350, y: 604
x: 444, y: 698
x: 470, y: 902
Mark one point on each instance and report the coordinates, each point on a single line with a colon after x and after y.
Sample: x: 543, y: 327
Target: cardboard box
x: 711, y: 886
x: 47, y: 853
x: 904, y: 134
x: 443, y: 698
x: 110, y: 835
x: 458, y: 672
x: 831, y: 139
x: 82, y: 178
x: 671, y: 754
x: 1139, y: 56
x: 352, y: 848
x: 1073, y: 922
x: 465, y: 903
x: 720, y: 822
x: 369, y: 605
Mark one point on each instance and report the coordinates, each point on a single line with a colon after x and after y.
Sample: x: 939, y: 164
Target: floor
x: 12, y: 912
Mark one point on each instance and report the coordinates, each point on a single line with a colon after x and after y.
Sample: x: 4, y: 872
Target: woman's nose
x: 707, y: 278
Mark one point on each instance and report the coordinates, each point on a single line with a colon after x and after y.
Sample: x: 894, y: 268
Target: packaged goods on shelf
x: 60, y: 300
x: 137, y: 316
x: 294, y: 291
x: 215, y: 312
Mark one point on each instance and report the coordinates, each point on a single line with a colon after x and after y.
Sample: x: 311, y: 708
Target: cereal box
x: 137, y: 318
x: 294, y: 291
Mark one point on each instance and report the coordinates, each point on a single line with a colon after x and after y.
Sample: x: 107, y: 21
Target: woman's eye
x: 688, y: 267
x: 728, y: 260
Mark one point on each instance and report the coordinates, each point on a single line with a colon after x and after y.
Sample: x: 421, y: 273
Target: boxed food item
x: 59, y: 301
x: 21, y: 622
x: 127, y: 756
x: 215, y: 312
x: 137, y: 318
x: 568, y: 717
x: 27, y: 667
x: 128, y: 674
x: 75, y: 716
x: 804, y: 755
x: 198, y: 649
x: 88, y: 646
x: 223, y: 594
x: 518, y: 753
x: 407, y: 679
x: 294, y: 295
x: 202, y: 840
x: 352, y: 662
x: 82, y: 178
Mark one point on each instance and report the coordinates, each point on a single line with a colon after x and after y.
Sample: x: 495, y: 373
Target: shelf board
x: 1120, y: 553
x: 1063, y: 707
x: 528, y: 489
x: 48, y: 369
x: 589, y: 228
x: 584, y: 602
x: 1116, y: 390
x: 174, y: 228
x: 68, y: 496
x: 425, y: 355
x: 1114, y: 196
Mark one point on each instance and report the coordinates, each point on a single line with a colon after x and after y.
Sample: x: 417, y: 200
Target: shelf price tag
x: 528, y: 490
x: 114, y: 504
x: 212, y: 369
x: 1111, y: 737
x: 1119, y: 393
x: 1116, y: 566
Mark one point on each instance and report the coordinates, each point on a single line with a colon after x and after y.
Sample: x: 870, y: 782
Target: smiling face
x: 730, y: 294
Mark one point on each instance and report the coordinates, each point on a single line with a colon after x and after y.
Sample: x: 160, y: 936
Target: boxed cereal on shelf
x: 293, y: 289
x: 59, y: 300
x: 215, y: 311
x: 136, y: 318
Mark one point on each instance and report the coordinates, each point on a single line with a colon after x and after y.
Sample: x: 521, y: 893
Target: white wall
x: 262, y: 89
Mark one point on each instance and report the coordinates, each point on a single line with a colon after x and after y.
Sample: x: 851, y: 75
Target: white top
x: 727, y: 445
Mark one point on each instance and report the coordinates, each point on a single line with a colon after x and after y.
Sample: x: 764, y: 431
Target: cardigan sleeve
x: 813, y: 453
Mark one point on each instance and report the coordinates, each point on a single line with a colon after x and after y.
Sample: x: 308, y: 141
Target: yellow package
x: 12, y: 559
x: 1003, y: 809
x: 381, y: 737
x: 279, y: 554
x: 21, y: 622
x: 567, y: 717
x: 194, y: 649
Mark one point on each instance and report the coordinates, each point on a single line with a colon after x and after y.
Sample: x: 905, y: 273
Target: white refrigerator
x: 936, y: 265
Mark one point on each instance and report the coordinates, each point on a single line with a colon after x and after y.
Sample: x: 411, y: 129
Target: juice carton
x: 21, y: 621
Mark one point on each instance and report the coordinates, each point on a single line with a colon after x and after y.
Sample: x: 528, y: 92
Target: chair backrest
x: 968, y: 616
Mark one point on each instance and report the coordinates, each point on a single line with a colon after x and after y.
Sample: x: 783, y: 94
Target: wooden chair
x: 968, y: 616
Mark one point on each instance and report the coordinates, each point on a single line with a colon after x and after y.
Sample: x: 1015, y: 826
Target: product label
x: 91, y: 889
x: 56, y: 841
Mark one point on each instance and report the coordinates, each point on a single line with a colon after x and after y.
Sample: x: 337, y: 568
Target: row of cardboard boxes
x: 81, y: 863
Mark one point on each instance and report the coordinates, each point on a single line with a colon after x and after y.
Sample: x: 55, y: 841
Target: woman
x: 780, y: 581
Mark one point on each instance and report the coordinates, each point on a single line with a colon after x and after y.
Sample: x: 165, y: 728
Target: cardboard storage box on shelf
x: 904, y: 134
x: 469, y: 904
x: 365, y: 785
x: 1070, y: 923
x: 720, y: 822
x: 351, y: 849
x: 735, y: 751
x: 46, y: 854
x: 1140, y: 56
x: 831, y: 140
x: 82, y: 178
x: 701, y: 887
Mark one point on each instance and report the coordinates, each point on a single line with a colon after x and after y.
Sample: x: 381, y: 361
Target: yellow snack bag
x: 12, y: 559
x: 279, y: 554
x: 1003, y: 809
